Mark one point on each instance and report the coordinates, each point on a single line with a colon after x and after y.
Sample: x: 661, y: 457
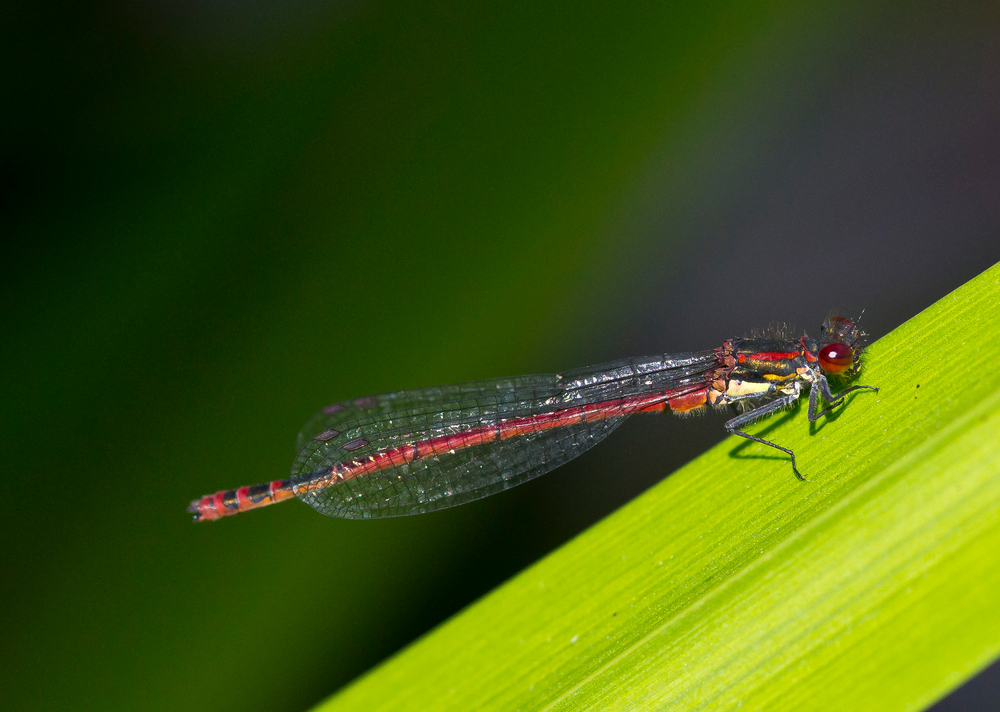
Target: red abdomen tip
x: 204, y: 509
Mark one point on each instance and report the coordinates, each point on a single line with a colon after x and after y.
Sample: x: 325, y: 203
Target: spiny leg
x: 734, y: 425
x: 822, y: 387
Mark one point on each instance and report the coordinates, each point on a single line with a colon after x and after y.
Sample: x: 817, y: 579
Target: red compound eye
x: 836, y: 358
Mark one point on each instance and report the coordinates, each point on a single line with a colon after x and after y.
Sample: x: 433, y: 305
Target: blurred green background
x: 219, y: 218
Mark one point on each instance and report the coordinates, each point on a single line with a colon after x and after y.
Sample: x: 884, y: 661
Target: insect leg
x: 734, y: 426
x: 822, y: 387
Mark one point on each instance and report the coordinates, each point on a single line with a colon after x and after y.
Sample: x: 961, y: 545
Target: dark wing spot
x: 334, y: 409
x: 355, y: 444
x: 327, y: 435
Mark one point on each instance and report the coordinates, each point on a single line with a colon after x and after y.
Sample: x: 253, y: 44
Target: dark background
x: 219, y: 218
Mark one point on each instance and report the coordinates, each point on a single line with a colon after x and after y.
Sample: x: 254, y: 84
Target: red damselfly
x: 415, y: 451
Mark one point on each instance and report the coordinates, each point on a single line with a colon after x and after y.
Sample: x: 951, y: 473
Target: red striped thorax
x: 760, y: 360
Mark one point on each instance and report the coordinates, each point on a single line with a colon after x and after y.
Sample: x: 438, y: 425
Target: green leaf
x: 874, y: 585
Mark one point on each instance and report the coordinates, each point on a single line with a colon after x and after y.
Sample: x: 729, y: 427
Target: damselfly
x: 415, y: 451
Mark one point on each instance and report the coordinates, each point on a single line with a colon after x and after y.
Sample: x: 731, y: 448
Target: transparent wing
x: 333, y: 417
x: 426, y: 449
